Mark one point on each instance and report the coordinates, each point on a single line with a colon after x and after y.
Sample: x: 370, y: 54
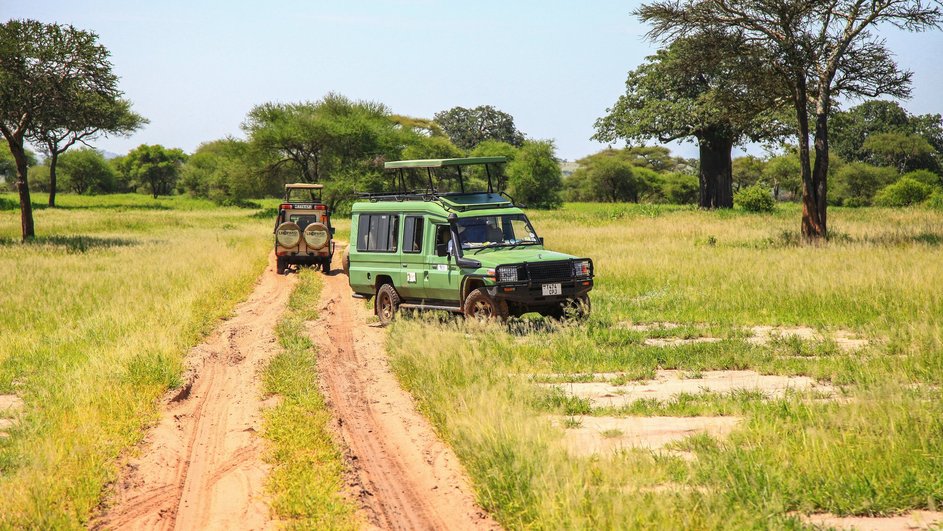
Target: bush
x: 755, y: 198
x: 926, y: 177
x: 681, y: 189
x: 905, y: 192
x: 8, y: 204
x: 934, y: 201
x: 856, y: 184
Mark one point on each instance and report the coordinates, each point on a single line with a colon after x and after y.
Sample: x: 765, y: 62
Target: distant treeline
x: 885, y: 156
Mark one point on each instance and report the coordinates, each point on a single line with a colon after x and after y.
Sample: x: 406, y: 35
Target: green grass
x: 307, y: 480
x: 96, y: 316
x: 877, y: 450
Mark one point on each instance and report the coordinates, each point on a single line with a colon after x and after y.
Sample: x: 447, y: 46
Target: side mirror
x: 540, y: 240
x: 442, y: 249
x: 333, y: 231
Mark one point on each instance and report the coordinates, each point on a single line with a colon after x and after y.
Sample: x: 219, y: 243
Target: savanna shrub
x: 926, y: 177
x: 934, y: 201
x: 905, y: 192
x: 755, y: 198
x: 8, y: 204
x: 855, y: 184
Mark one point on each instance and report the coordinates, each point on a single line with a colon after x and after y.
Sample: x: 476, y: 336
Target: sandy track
x: 404, y: 476
x: 200, y: 467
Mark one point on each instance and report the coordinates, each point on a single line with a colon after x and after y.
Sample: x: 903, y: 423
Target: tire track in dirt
x: 201, y: 466
x: 403, y: 475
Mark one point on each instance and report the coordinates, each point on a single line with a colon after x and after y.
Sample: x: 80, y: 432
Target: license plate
x: 551, y: 289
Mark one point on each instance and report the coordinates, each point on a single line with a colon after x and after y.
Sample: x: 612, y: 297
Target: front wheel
x: 480, y: 305
x: 387, y: 303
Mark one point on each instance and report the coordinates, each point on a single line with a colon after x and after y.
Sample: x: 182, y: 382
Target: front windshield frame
x: 479, y: 232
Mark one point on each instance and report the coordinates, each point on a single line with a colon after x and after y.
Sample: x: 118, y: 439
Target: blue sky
x: 196, y: 68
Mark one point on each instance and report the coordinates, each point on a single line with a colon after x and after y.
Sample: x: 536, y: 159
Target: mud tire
x: 281, y: 265
x: 386, y: 303
x: 575, y: 309
x: 480, y: 305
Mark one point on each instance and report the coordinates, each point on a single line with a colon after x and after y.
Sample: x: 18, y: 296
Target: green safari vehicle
x: 474, y: 253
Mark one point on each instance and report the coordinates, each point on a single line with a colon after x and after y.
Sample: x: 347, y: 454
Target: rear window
x: 377, y: 232
x: 303, y: 220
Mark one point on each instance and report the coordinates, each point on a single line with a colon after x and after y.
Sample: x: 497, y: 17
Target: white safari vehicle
x: 303, y: 232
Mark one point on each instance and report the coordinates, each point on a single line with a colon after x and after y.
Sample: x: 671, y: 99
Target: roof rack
x: 429, y: 164
x: 454, y: 201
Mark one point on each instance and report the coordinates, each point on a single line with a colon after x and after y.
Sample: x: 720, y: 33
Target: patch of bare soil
x: 403, y: 475
x: 10, y: 405
x: 600, y: 435
x: 201, y: 466
x: 671, y: 383
x: 677, y: 341
x: 911, y: 520
x: 764, y: 335
x: 648, y: 327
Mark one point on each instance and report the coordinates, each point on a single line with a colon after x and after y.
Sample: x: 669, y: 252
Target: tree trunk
x: 816, y: 202
x: 813, y: 226
x: 716, y: 170
x: 22, y: 186
x: 53, y: 160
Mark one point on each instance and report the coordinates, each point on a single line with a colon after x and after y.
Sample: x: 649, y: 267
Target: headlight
x: 507, y: 274
x: 581, y: 268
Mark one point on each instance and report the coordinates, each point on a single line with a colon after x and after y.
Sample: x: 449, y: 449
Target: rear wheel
x: 387, y: 303
x: 480, y: 305
x: 280, y: 265
x: 326, y: 265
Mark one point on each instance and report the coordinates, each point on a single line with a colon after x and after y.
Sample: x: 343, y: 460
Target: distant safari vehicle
x: 474, y: 253
x: 303, y: 232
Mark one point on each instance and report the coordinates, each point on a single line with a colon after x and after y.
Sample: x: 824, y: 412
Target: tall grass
x: 875, y: 451
x: 307, y: 477
x: 95, y: 318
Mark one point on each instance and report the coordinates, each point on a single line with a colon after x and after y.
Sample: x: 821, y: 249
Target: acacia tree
x: 80, y: 119
x: 155, y: 166
x: 45, y: 69
x: 319, y: 138
x: 469, y: 127
x: 819, y: 49
x: 713, y: 87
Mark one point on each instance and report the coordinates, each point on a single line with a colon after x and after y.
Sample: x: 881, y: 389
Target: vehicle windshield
x: 487, y: 231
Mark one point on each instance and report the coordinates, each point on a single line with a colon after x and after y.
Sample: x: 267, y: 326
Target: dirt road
x: 405, y: 477
x: 201, y: 466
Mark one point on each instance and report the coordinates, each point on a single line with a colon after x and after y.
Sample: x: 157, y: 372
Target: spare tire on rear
x: 288, y: 234
x: 316, y: 236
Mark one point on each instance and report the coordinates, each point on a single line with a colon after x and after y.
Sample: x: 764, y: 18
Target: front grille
x: 541, y: 271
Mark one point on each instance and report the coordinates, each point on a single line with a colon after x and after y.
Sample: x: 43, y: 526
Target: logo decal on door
x: 410, y: 277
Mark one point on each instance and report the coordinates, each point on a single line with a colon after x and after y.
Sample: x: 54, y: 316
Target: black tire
x: 387, y: 303
x: 326, y: 265
x: 280, y: 265
x: 480, y: 305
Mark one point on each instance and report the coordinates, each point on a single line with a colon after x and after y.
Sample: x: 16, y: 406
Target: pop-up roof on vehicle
x: 440, y: 172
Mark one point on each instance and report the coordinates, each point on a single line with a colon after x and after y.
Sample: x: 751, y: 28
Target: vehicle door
x: 377, y: 250
x: 412, y: 258
x: 443, y: 278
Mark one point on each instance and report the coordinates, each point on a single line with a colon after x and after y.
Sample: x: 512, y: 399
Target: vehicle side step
x: 413, y: 306
x: 359, y: 296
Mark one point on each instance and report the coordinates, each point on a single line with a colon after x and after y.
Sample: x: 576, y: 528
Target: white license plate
x: 551, y: 289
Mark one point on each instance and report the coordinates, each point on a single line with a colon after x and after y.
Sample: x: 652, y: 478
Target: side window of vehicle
x: 377, y: 232
x: 412, y: 234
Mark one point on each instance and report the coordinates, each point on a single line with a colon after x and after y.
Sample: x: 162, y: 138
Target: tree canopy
x: 469, y: 127
x: 818, y: 50
x: 52, y: 77
x: 534, y: 175
x: 154, y: 167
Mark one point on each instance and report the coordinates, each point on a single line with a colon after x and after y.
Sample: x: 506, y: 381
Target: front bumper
x: 531, y: 293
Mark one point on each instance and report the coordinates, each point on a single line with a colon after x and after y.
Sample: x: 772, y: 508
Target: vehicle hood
x: 490, y: 258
